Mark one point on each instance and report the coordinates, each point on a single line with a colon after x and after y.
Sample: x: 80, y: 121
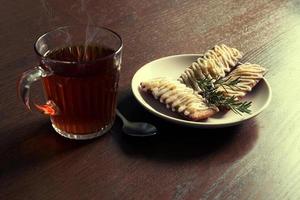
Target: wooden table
x: 259, y: 159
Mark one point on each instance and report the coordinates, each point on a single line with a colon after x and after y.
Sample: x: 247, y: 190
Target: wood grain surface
x: 259, y: 159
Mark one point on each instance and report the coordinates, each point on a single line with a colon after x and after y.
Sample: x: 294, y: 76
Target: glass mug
x: 79, y: 68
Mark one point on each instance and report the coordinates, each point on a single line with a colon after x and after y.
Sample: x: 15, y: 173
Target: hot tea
x: 79, y: 68
x: 83, y: 86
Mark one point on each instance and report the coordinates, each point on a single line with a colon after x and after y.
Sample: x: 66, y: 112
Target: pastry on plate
x: 214, y: 64
x: 179, y: 98
x: 247, y: 76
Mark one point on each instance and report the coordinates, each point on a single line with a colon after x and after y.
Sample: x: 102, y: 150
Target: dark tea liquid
x: 84, y: 89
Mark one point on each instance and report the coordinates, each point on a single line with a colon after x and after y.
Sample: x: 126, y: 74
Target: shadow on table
x: 34, y: 146
x: 177, y: 143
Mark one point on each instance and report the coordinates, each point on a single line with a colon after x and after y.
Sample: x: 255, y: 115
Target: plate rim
x: 193, y: 123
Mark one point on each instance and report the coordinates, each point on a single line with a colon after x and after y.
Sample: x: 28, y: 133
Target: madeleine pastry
x: 179, y: 98
x: 248, y: 75
x: 214, y: 64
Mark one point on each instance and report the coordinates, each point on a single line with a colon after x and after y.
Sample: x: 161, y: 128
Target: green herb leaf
x: 214, y: 97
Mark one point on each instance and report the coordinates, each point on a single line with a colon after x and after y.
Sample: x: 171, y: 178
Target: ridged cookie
x: 249, y: 75
x: 179, y: 98
x: 214, y: 64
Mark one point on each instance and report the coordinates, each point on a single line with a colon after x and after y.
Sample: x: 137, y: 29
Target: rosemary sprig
x: 217, y: 98
x: 227, y: 82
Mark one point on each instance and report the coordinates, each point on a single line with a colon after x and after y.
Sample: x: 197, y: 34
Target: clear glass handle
x: 28, y: 77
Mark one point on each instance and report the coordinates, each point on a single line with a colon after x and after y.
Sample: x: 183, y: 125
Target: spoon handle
x: 125, y: 121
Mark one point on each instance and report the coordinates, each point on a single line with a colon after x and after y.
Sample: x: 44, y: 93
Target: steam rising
x: 78, y: 11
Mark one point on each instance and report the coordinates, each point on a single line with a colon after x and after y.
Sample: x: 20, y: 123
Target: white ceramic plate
x: 172, y: 67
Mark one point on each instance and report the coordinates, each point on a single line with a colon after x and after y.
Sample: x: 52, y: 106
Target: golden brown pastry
x: 179, y: 98
x: 249, y: 75
x: 214, y: 64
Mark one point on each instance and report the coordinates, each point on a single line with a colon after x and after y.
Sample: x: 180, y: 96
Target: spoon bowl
x: 137, y: 129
